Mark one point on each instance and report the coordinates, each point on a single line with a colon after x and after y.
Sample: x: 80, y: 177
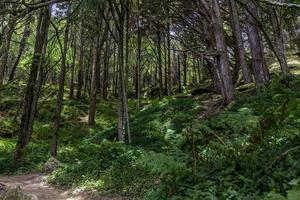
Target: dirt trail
x: 33, y: 184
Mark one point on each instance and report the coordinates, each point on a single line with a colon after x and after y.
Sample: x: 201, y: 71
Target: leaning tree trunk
x: 60, y: 95
x: 261, y: 72
x: 237, y: 33
x: 32, y: 88
x: 22, y: 46
x: 279, y: 40
x: 223, y: 68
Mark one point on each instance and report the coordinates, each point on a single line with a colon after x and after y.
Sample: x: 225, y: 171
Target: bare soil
x: 33, y: 184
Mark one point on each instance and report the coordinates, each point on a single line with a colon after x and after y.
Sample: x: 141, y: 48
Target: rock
x: 51, y: 165
x: 2, y: 188
x: 15, y: 193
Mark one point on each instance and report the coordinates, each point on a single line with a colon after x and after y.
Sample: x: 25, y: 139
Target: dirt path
x: 33, y: 184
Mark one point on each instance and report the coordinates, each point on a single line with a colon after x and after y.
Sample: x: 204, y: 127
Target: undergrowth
x: 248, y: 151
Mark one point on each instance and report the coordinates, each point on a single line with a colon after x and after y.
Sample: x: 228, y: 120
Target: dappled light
x: 149, y: 100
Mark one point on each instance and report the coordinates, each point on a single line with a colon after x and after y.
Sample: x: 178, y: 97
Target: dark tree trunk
x: 106, y: 70
x: 81, y: 64
x: 32, y: 88
x: 168, y: 54
x: 179, y: 74
x: 138, y: 64
x: 184, y: 69
x: 87, y: 72
x: 73, y: 66
x: 159, y: 60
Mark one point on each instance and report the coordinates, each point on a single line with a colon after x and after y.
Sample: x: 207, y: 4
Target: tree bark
x: 138, y: 65
x: 73, y: 66
x: 159, y: 60
x: 184, y: 69
x: 169, y: 53
x: 80, y: 64
x: 32, y: 88
x: 95, y: 81
x: 5, y: 46
x: 260, y: 69
x: 179, y: 73
x: 223, y: 68
x: 237, y: 33
x: 279, y: 40
x: 107, y: 56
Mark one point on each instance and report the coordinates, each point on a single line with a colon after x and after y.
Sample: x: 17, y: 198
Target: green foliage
x: 238, y: 154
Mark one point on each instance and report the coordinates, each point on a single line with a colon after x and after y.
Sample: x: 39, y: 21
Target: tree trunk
x: 22, y: 46
x: 106, y: 70
x: 5, y: 46
x: 159, y: 60
x: 138, y: 65
x: 184, y: 69
x: 80, y: 64
x: 260, y: 69
x: 169, y: 59
x: 223, y: 68
x: 32, y: 89
x: 73, y: 66
x: 279, y: 40
x: 237, y: 33
x: 60, y: 95
x: 179, y: 74
x: 95, y: 81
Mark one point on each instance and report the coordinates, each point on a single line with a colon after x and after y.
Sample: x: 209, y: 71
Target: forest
x: 150, y: 99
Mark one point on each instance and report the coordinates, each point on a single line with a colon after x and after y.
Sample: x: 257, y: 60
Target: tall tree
x: 80, y: 74
x: 237, y: 33
x: 5, y: 46
x: 32, y: 88
x: 260, y: 69
x: 276, y: 22
x: 61, y: 89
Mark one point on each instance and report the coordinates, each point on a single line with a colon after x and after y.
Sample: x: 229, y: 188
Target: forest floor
x: 34, y: 184
x: 184, y: 147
